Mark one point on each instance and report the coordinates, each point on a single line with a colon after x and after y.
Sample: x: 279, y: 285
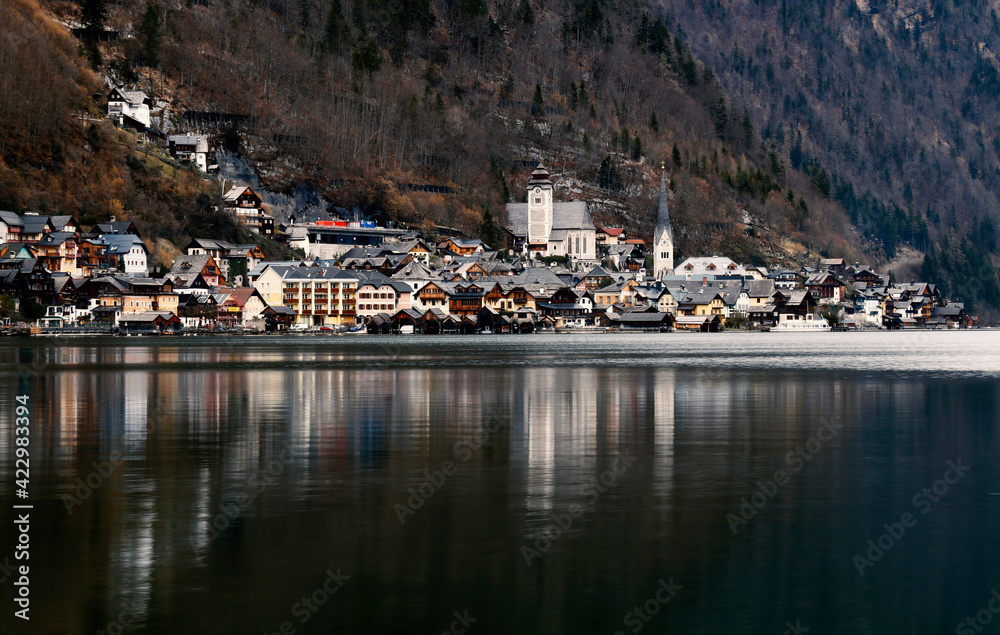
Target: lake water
x: 686, y: 483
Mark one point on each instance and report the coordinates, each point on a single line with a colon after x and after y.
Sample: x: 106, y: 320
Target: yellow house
x: 268, y: 284
x: 623, y: 292
x: 701, y: 302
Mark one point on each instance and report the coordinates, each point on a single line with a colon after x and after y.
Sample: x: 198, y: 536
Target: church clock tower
x: 663, y: 236
x: 539, y: 208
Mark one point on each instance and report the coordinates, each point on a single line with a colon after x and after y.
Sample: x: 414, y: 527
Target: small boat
x: 810, y: 323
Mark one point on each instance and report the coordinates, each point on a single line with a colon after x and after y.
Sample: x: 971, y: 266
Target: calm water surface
x: 715, y: 483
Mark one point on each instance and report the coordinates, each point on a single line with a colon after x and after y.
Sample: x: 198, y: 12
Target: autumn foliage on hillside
x: 59, y: 155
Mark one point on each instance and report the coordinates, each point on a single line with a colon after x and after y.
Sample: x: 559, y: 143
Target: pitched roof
x: 121, y: 244
x: 148, y: 316
x: 235, y: 192
x: 210, y: 243
x: 190, y: 264
x: 612, y: 231
x: 572, y: 215
x: 760, y: 288
x: 54, y: 239
x: 60, y: 222
x: 700, y: 296
x: 116, y: 227
x: 11, y: 219
x: 36, y: 224
x: 599, y: 272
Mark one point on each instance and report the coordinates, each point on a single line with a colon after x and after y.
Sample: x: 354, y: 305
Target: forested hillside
x: 844, y: 128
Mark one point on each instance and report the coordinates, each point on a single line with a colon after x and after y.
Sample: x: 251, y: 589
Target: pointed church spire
x: 663, y: 235
x: 662, y: 212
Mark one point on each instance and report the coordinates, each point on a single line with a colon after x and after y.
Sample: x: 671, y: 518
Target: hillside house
x: 248, y: 208
x: 189, y: 147
x: 129, y: 108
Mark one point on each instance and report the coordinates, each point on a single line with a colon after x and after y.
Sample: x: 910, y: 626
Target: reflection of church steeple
x: 663, y: 236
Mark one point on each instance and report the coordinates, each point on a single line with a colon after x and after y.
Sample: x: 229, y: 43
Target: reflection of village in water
x: 196, y: 425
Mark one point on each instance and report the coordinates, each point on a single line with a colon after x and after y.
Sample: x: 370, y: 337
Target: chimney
x: 704, y: 281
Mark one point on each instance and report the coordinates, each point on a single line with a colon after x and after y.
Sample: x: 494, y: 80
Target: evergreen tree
x: 537, y: 104
x: 93, y: 14
x: 366, y: 56
x: 524, y: 13
x: 501, y: 182
x: 636, y: 148
x: 654, y: 125
x: 822, y: 182
x: 490, y: 231
x: 149, y: 34
x: 675, y: 157
x: 796, y: 154
x: 32, y: 309
x: 747, y: 129
x: 338, y: 34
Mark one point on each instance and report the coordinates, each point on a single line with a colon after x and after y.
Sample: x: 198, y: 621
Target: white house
x: 10, y: 227
x: 695, y: 268
x: 128, y: 107
x: 189, y: 147
x: 129, y: 249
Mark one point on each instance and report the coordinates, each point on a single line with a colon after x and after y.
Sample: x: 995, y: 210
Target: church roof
x: 662, y: 212
x: 540, y: 176
x: 572, y: 215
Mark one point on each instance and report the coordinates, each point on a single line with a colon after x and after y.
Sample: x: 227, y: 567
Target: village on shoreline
x: 409, y: 286
x: 554, y: 271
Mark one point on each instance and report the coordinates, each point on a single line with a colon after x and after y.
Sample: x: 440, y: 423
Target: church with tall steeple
x: 663, y: 236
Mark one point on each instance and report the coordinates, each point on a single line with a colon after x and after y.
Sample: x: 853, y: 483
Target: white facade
x: 135, y: 260
x: 539, y: 212
x: 132, y: 103
x: 711, y: 266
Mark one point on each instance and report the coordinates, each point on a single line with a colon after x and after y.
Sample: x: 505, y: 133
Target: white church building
x: 546, y: 228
